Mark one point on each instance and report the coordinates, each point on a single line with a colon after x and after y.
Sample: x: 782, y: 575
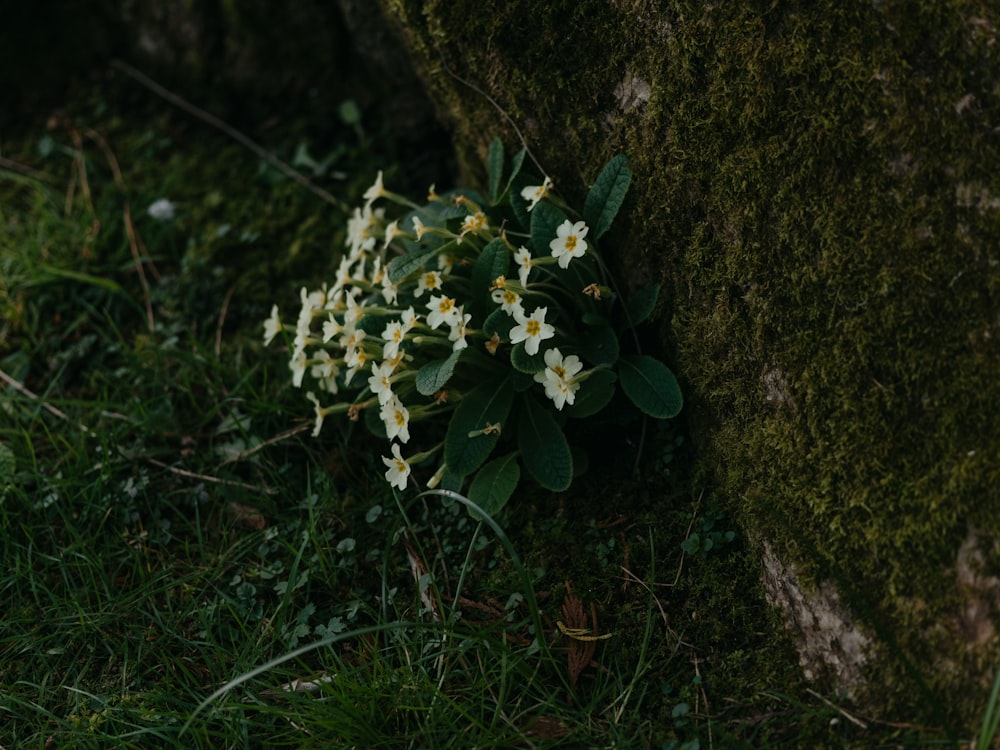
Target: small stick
x: 207, y: 478
x: 133, y: 244
x: 20, y: 388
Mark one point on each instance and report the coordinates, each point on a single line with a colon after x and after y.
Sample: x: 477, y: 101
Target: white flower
x: 162, y: 210
x: 474, y: 223
x: 531, y: 330
x: 331, y: 328
x: 324, y: 366
x: 430, y: 281
x: 534, y: 193
x: 459, y: 329
x: 381, y: 382
x: 569, y: 242
x: 392, y: 231
x: 523, y: 259
x: 360, y: 236
x: 272, y: 326
x: 389, y: 290
x: 375, y: 192
x: 509, y: 301
x: 442, y: 310
x: 419, y: 228
x: 399, y: 469
x: 408, y: 319
x: 396, y: 418
x: 297, y: 365
x: 393, y: 337
x: 446, y: 261
x: 557, y: 377
x: 320, y: 413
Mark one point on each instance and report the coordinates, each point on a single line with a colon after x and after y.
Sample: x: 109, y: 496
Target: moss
x: 816, y: 186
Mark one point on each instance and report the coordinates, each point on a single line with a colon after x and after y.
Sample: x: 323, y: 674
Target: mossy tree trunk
x: 817, y: 186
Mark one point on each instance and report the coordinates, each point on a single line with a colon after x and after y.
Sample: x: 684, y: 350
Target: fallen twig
x: 24, y: 391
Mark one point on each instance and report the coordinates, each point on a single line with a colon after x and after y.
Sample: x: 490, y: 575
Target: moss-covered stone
x: 816, y: 185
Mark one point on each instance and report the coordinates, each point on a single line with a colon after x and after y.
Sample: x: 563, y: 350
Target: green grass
x: 179, y: 554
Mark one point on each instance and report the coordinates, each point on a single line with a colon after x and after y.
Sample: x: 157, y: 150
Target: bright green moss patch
x: 817, y: 186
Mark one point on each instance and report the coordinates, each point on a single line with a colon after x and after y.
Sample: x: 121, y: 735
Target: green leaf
x: 595, y: 393
x: 498, y: 322
x: 524, y: 362
x: 544, y: 450
x: 493, y: 261
x: 494, y: 166
x: 495, y: 483
x: 545, y: 218
x: 413, y: 262
x: 84, y: 278
x: 515, y: 165
x: 599, y: 345
x: 487, y: 403
x: 607, y: 196
x: 641, y: 303
x: 433, y: 376
x: 650, y: 385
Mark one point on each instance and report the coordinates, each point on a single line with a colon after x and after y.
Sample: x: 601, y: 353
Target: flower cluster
x: 430, y: 304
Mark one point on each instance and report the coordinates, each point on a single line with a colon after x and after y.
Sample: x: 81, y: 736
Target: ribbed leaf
x: 650, y: 385
x: 495, y: 483
x: 641, y: 303
x: 595, y: 393
x: 545, y: 218
x: 413, y: 262
x: 544, y: 450
x: 465, y: 446
x: 607, y: 196
x: 494, y: 167
x: 433, y: 376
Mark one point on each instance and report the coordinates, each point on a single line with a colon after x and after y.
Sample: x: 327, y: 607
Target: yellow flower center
x: 446, y: 305
x: 571, y: 243
x: 533, y: 327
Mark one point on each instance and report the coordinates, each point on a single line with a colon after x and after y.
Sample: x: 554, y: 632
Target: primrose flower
x: 419, y: 228
x: 442, y: 310
x: 324, y: 366
x: 393, y: 337
x: 396, y: 418
x: 320, y: 413
x: 534, y: 193
x: 398, y: 469
x: 381, y: 382
x: 509, y: 301
x: 474, y: 223
x: 389, y: 290
x: 331, y: 328
x: 524, y: 262
x: 272, y: 326
x: 531, y: 330
x: 430, y: 281
x: 359, y: 231
x: 459, y: 329
x: 569, y: 242
x: 297, y: 364
x: 375, y: 192
x: 392, y: 231
x: 408, y: 319
x: 557, y: 377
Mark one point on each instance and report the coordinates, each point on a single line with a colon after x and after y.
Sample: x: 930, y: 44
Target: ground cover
x: 184, y: 564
